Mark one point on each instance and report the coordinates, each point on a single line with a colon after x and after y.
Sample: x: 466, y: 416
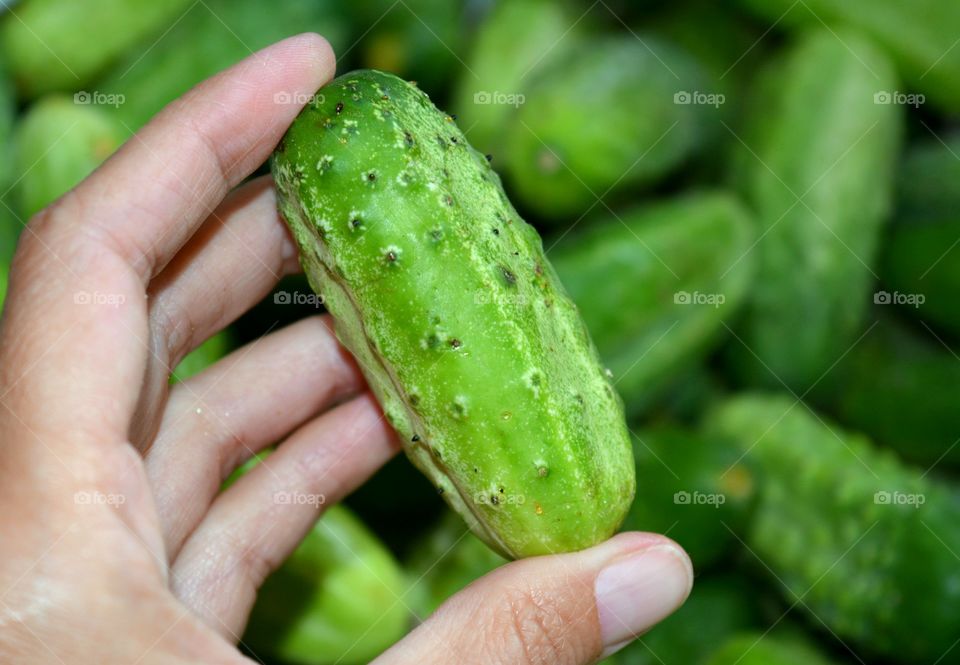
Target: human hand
x: 118, y: 544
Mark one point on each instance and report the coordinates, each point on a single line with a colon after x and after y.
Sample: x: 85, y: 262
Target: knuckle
x: 532, y: 627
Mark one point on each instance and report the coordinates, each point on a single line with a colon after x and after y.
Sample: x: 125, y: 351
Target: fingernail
x: 636, y: 591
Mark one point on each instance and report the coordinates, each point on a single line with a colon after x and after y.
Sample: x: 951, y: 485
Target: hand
x: 117, y: 545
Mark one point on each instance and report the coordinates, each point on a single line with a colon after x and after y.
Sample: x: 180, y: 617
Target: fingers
x: 233, y: 261
x: 175, y: 171
x: 563, y: 609
x: 245, y: 402
x: 256, y: 523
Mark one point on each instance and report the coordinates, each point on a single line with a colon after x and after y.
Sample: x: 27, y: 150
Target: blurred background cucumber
x: 756, y: 195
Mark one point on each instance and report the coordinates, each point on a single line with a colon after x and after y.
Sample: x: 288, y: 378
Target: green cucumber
x: 815, y: 133
x: 579, y: 134
x: 718, y: 608
x: 61, y: 45
x: 920, y: 36
x: 58, y: 143
x: 415, y: 39
x: 899, y: 387
x: 212, y: 350
x: 865, y: 544
x: 209, y: 38
x: 515, y: 41
x: 694, y: 489
x: 768, y: 649
x: 920, y: 264
x: 658, y: 285
x: 476, y: 354
x: 444, y: 561
x: 337, y: 599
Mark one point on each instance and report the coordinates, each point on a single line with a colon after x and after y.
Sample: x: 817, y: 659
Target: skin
x: 116, y: 546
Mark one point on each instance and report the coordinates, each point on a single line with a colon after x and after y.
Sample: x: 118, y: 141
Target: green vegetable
x: 817, y: 135
x: 853, y: 536
x: 416, y: 39
x: 517, y: 40
x: 58, y: 143
x: 203, y: 356
x: 212, y: 36
x: 463, y: 331
x: 768, y: 649
x: 899, y: 387
x: 337, y: 599
x: 718, y: 608
x: 59, y: 45
x: 919, y: 35
x: 446, y: 560
x: 693, y: 488
x: 920, y: 265
x: 580, y: 134
x: 658, y: 285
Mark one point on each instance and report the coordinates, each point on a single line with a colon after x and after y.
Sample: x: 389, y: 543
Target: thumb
x: 563, y: 609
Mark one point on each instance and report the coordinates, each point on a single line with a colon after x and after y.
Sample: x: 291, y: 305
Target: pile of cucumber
x: 754, y: 208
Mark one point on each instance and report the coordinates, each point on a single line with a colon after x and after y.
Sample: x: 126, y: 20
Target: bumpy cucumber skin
x: 921, y: 255
x: 882, y: 575
x: 589, y: 118
x: 920, y: 35
x: 718, y: 608
x: 518, y: 39
x: 210, y: 38
x: 898, y: 386
x: 818, y: 134
x: 53, y: 45
x: 625, y: 277
x: 678, y: 463
x: 768, y: 649
x: 334, y: 600
x: 478, y: 357
x: 58, y: 143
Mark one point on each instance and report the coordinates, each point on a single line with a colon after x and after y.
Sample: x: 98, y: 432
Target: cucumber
x: 337, y: 599
x: 203, y: 356
x: 718, y: 608
x: 579, y: 136
x: 899, y: 387
x: 444, y: 561
x: 416, y: 39
x: 515, y: 41
x: 768, y: 649
x: 815, y: 131
x: 919, y: 35
x: 920, y: 263
x: 458, y: 321
x: 58, y: 143
x: 867, y: 544
x: 694, y: 489
x: 60, y: 45
x: 211, y: 37
x: 658, y: 286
